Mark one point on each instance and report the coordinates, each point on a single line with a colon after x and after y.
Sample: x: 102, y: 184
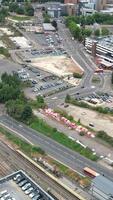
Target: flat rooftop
x: 48, y: 27
x: 10, y: 189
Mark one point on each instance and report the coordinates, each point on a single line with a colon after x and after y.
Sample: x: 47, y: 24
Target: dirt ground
x: 58, y: 65
x: 100, y: 121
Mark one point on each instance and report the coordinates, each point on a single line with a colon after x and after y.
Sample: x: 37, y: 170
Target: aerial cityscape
x: 56, y: 100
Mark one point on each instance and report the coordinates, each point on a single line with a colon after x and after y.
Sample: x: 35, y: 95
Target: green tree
x: 29, y: 10
x: 104, y: 31
x: 76, y: 75
x: 13, y: 7
x: 86, y: 32
x: 40, y: 99
x: 68, y: 97
x: 27, y: 113
x: 20, y: 10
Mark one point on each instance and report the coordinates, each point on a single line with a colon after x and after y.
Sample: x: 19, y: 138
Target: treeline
x: 24, y: 9
x: 3, y: 14
x: 12, y: 96
x: 17, y: 106
x: 78, y: 32
x: 77, y: 28
x: 91, y: 19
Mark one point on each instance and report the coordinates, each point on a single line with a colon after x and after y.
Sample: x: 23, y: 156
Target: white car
x: 32, y: 194
x: 26, y: 186
x: 16, y: 177
x: 29, y: 190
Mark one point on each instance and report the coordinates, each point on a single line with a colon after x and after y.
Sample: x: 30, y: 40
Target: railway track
x: 15, y: 162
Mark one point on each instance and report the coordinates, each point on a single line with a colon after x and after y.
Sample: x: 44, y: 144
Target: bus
x: 90, y: 172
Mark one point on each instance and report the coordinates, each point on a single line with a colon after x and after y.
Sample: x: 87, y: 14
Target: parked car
x: 22, y: 183
x: 32, y: 194
x: 29, y: 190
x: 38, y: 196
x: 19, y: 180
x: 26, y: 186
x: 16, y: 177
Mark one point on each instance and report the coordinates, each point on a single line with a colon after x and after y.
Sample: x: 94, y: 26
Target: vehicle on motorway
x: 26, y: 186
x: 22, y: 183
x: 90, y: 172
x: 28, y: 191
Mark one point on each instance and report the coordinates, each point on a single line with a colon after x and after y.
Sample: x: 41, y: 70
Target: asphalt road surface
x: 54, y: 149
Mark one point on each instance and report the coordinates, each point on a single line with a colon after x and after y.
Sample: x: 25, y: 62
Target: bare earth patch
x: 100, y: 121
x: 58, y: 65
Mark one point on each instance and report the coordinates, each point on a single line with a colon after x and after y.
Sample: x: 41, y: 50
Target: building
x: 100, y: 4
x: 48, y: 27
x: 53, y: 9
x: 102, y: 47
x: 102, y: 188
x: 10, y: 188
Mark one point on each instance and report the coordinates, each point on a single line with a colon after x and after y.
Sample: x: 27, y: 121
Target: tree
x: 40, y: 99
x: 46, y: 17
x: 76, y: 75
x: 67, y: 98
x: 86, y: 32
x: 29, y: 10
x: 20, y: 11
x: 97, y: 32
x: 104, y: 31
x: 13, y: 7
x: 54, y: 23
x: 75, y: 30
x: 27, y: 113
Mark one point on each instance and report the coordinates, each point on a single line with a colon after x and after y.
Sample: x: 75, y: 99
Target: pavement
x: 70, y: 158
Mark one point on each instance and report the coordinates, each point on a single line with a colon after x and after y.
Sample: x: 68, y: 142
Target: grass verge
x: 41, y: 126
x: 4, y: 52
x: 20, y: 18
x: 24, y: 146
x: 32, y: 151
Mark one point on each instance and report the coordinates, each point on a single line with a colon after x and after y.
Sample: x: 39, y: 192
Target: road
x: 76, y: 50
x: 100, y: 149
x: 54, y: 149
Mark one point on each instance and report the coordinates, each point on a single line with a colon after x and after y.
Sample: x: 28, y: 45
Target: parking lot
x: 19, y: 186
x: 42, y: 83
x: 99, y: 99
